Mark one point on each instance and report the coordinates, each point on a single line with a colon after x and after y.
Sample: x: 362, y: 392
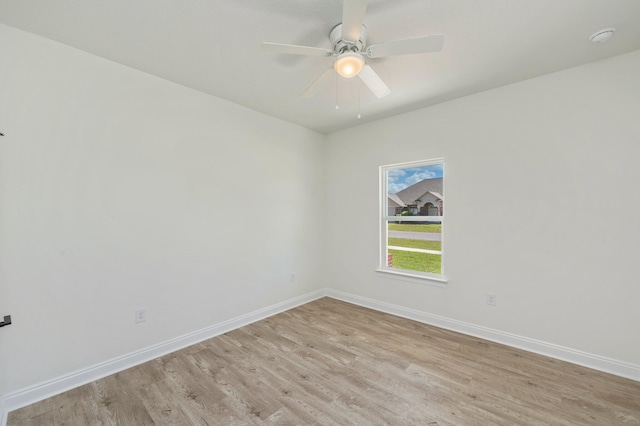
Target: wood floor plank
x: 333, y: 363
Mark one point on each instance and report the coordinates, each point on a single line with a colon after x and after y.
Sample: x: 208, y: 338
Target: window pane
x: 420, y: 262
x: 413, y: 212
x: 415, y: 191
x: 415, y: 246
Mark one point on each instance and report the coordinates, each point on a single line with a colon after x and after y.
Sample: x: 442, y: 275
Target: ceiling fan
x: 349, y: 48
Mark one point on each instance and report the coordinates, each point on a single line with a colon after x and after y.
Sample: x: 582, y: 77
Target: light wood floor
x: 330, y: 362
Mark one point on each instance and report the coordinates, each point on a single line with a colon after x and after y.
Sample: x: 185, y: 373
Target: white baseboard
x: 38, y: 392
x: 77, y: 378
x: 597, y: 362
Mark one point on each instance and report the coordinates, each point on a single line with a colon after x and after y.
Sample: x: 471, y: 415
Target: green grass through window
x: 418, y: 227
x: 420, y: 244
x: 421, y: 262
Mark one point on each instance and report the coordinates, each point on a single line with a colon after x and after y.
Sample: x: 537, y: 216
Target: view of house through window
x: 413, y: 210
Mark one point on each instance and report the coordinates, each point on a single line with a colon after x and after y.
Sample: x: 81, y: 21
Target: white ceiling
x: 214, y: 46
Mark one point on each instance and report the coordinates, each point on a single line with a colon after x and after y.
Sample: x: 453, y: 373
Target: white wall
x: 559, y: 158
x: 119, y: 190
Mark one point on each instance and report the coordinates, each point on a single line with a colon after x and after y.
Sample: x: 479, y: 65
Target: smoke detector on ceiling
x: 602, y: 36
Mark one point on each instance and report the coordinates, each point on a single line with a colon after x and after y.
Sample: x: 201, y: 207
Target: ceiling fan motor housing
x: 339, y: 45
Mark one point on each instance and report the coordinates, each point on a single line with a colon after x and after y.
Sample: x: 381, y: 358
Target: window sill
x: 435, y: 280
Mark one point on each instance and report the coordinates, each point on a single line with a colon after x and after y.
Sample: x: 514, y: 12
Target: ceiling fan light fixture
x: 349, y: 64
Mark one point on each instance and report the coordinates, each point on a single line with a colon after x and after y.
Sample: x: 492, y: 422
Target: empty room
x: 358, y: 212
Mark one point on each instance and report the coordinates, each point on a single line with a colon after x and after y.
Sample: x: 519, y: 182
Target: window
x: 412, y: 213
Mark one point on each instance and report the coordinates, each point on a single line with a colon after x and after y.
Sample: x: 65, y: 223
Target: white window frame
x: 438, y: 279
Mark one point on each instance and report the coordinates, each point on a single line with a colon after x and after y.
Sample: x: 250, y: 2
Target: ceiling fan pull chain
x: 337, y: 83
x: 359, y: 100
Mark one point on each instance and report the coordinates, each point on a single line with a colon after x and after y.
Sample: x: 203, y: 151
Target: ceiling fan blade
x: 318, y: 84
x: 353, y: 12
x: 295, y: 50
x: 409, y: 46
x: 374, y: 82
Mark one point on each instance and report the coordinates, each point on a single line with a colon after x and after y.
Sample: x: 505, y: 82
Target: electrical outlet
x: 491, y: 299
x: 141, y: 315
